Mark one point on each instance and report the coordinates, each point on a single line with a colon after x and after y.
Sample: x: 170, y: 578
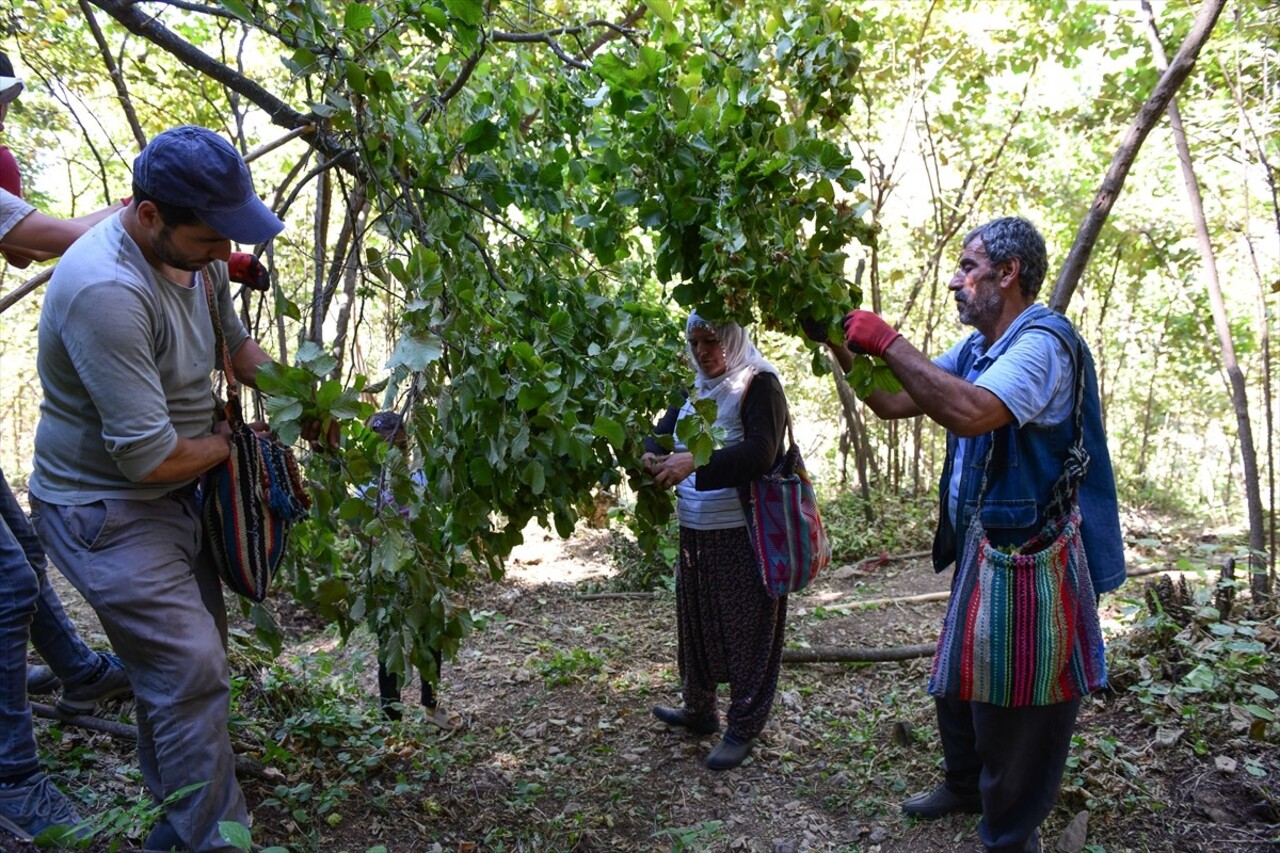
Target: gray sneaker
x: 41, y: 680
x: 35, y: 805
x: 83, y: 698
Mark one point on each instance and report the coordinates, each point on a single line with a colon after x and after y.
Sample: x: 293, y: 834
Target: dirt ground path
x: 559, y: 751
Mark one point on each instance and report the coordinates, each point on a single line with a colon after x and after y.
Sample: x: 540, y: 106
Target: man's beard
x: 165, y: 252
x: 983, y: 304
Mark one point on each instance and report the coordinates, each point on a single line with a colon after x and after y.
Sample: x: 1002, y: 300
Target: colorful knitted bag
x: 250, y: 501
x: 785, y: 526
x: 1022, y: 628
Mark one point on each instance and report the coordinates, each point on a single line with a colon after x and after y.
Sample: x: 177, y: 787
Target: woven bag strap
x: 1074, y: 466
x: 234, y: 412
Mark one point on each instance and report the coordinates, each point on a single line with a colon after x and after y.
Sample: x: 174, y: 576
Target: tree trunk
x: 1259, y: 150
x: 359, y: 208
x: 1113, y: 181
x: 320, y: 233
x: 1100, y: 353
x: 1239, y: 393
x: 856, y: 430
x: 1268, y: 406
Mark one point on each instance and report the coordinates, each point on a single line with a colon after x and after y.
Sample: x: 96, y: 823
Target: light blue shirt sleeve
x: 1033, y: 378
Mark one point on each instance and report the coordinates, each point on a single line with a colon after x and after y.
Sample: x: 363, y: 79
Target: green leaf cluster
x: 530, y: 350
x: 714, y: 141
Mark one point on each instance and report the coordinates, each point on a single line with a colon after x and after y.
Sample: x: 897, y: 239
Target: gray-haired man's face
x: 976, y: 285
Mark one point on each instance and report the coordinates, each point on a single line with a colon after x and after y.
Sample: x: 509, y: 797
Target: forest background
x: 498, y: 217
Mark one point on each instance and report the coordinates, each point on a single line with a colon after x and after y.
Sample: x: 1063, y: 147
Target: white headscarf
x: 742, y: 362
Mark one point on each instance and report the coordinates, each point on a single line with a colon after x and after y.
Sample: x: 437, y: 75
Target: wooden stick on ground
x: 245, y: 766
x: 118, y: 730
x: 882, y: 558
x: 1150, y: 570
x: 877, y: 602
x: 921, y: 598
x: 840, y: 654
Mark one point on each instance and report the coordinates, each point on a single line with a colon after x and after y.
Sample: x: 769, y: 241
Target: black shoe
x: 682, y: 718
x: 41, y: 680
x: 163, y: 837
x: 111, y: 682
x: 729, y: 752
x: 940, y: 802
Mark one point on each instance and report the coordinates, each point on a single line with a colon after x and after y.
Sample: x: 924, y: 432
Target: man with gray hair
x: 1007, y: 394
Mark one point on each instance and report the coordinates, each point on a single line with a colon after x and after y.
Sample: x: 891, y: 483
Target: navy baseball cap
x: 194, y: 167
x: 10, y: 86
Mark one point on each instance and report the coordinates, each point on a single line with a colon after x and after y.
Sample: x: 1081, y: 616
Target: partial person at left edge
x: 30, y: 610
x: 26, y: 234
x: 126, y: 352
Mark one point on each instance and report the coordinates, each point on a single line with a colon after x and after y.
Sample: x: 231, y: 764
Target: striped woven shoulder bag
x: 250, y: 501
x: 1022, y: 628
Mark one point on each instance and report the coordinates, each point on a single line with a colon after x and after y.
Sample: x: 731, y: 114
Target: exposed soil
x: 558, y: 749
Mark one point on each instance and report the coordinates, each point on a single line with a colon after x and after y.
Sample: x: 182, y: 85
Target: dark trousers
x: 1013, y: 758
x: 730, y: 630
x: 390, y: 684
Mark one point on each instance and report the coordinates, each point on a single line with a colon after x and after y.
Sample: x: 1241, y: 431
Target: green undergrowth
x: 887, y: 523
x: 1194, y: 690
x: 318, y: 746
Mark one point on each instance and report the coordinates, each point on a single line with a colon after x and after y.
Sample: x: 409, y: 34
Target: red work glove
x: 249, y: 271
x: 866, y: 332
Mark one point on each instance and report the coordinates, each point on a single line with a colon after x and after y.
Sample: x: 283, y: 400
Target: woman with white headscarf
x: 729, y: 628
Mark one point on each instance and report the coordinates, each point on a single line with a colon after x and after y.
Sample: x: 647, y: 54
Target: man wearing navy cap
x: 126, y: 350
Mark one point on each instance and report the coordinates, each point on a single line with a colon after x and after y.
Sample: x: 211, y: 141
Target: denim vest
x: 1024, y: 464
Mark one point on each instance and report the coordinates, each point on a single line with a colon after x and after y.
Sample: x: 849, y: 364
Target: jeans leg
x: 963, y: 766
x: 1024, y: 752
x: 19, y: 592
x: 52, y: 633
x: 141, y: 566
